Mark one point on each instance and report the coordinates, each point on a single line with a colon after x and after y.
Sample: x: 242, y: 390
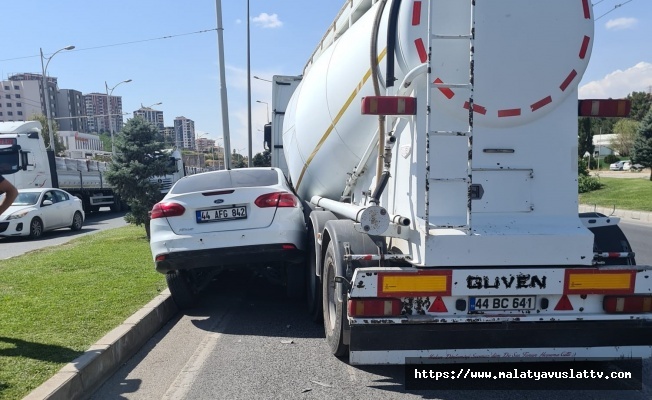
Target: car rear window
x: 237, y: 178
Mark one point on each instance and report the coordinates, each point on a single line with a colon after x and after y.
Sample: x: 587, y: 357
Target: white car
x: 242, y: 218
x: 39, y: 210
x: 620, y: 166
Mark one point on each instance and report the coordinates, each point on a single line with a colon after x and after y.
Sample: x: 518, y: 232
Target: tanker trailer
x: 423, y: 134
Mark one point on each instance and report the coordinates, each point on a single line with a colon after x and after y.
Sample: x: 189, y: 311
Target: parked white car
x: 242, y: 218
x: 620, y: 165
x: 36, y: 211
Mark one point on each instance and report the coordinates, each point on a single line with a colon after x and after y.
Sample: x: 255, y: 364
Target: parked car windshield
x: 26, y: 199
x: 238, y: 178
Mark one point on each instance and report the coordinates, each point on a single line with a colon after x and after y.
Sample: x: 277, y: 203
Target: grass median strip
x: 56, y: 302
x: 627, y: 194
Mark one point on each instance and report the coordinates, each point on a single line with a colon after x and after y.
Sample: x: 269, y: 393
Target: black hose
x: 391, y: 42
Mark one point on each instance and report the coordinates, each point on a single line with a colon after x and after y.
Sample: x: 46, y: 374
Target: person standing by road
x: 10, y: 192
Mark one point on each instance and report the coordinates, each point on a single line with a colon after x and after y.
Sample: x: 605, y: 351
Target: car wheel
x: 333, y: 309
x: 295, y: 275
x: 77, y: 221
x: 182, y: 289
x: 35, y: 228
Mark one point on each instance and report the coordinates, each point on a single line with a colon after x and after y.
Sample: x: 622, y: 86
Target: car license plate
x: 502, y: 303
x: 222, y: 214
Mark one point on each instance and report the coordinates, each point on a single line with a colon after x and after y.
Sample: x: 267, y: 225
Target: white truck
x: 27, y: 164
x: 436, y: 144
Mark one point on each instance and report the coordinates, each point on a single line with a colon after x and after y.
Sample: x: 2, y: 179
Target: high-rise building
x: 154, y: 117
x: 98, y: 110
x: 204, y: 144
x: 184, y: 133
x: 21, y: 97
x: 169, y: 137
x: 72, y: 110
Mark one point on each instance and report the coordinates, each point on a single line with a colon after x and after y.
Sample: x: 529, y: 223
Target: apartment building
x: 72, y: 111
x: 21, y: 98
x: 103, y: 115
x: 184, y: 133
x: 154, y: 117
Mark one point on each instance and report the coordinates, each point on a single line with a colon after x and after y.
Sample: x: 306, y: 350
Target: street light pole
x: 108, y: 107
x: 267, y: 106
x: 249, y: 89
x: 46, y: 92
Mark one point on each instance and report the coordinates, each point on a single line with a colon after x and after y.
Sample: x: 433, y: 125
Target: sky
x: 168, y: 48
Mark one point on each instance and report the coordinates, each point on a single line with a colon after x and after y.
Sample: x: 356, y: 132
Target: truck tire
x: 182, y: 289
x: 295, y: 278
x: 334, y: 310
x: 77, y: 221
x: 35, y: 228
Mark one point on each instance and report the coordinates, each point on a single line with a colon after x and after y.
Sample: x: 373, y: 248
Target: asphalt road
x: 639, y: 235
x: 246, y: 341
x: 95, y: 222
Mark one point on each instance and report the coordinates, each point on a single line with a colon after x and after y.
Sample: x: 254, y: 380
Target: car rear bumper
x: 269, y: 253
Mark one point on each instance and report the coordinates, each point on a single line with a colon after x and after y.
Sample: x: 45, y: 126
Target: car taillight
x: 375, y: 307
x: 167, y: 209
x: 278, y: 199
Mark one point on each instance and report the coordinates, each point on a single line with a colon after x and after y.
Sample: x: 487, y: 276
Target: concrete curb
x: 80, y: 378
x: 640, y: 216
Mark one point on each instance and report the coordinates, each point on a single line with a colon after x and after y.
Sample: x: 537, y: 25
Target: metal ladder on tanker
x: 435, y: 84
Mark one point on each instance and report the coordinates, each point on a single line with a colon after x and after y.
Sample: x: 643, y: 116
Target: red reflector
x: 167, y: 209
x: 604, y: 108
x: 438, y: 305
x: 374, y: 307
x: 389, y: 105
x: 278, y: 199
x: 627, y: 304
x: 161, y: 257
x: 564, y: 304
x: 288, y: 247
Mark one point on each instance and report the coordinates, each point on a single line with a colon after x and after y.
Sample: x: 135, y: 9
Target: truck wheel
x: 77, y: 221
x: 313, y: 283
x: 295, y: 275
x: 181, y: 288
x: 333, y: 309
x: 35, y: 228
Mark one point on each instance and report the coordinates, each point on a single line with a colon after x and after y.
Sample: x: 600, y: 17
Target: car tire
x: 334, y: 310
x: 181, y: 288
x: 77, y: 221
x: 35, y: 228
x: 295, y: 277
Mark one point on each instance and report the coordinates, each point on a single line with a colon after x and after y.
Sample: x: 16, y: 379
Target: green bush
x: 610, y: 159
x: 587, y: 183
x: 582, y: 167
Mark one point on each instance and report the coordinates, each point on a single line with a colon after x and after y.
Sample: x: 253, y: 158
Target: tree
x: 263, y: 159
x: 642, y: 149
x: 238, y: 160
x: 641, y: 102
x: 626, y: 130
x: 139, y: 157
x: 585, y: 137
x: 59, y: 148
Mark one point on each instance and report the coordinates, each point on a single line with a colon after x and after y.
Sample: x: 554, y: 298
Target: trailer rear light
x: 167, y: 209
x: 604, y: 108
x: 389, y: 105
x: 277, y: 199
x: 594, y: 281
x: 288, y: 247
x: 627, y: 304
x: 423, y: 283
x: 374, y: 307
x: 161, y: 257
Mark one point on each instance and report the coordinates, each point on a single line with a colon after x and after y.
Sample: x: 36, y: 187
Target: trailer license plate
x: 503, y: 303
x: 221, y: 214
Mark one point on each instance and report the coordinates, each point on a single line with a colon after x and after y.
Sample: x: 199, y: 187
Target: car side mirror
x: 47, y: 202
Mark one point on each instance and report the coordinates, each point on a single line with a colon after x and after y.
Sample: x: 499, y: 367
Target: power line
x: 121, y: 44
x: 613, y: 9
